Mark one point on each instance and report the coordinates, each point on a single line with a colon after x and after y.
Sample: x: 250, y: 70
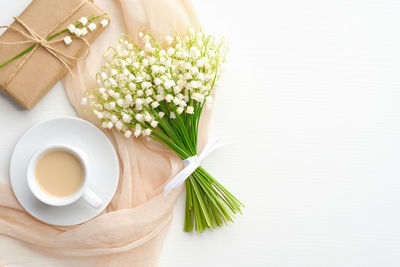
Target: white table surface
x: 311, y: 95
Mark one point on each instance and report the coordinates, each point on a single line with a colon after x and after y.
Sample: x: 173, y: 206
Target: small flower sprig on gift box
x: 159, y: 91
x: 76, y: 31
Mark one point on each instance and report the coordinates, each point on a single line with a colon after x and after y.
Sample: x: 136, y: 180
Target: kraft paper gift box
x: 28, y: 78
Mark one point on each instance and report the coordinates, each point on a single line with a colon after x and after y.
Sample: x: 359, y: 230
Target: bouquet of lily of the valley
x: 159, y: 90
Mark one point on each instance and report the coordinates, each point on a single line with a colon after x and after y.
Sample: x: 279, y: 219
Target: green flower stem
x: 163, y: 139
x: 208, y: 203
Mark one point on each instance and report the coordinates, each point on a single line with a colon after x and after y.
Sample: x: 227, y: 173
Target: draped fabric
x: 131, y: 231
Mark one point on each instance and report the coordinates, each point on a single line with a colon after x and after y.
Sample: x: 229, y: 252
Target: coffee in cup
x: 58, y: 175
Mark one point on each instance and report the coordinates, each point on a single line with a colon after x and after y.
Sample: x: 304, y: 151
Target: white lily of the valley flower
x: 126, y: 118
x: 146, y: 132
x: 67, y: 40
x: 139, y: 117
x: 71, y: 28
x: 84, y: 31
x: 110, y: 125
x: 190, y: 110
x: 92, y: 26
x: 169, y: 39
x: 119, y: 125
x: 179, y: 110
x: 147, y: 117
x: 154, y: 123
x: 128, y: 134
x: 78, y: 32
x: 83, y: 20
x: 104, y: 22
x: 169, y: 98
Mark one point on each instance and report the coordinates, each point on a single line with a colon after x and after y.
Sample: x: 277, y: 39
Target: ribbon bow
x: 192, y: 163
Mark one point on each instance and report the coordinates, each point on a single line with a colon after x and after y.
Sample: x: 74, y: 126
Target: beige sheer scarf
x: 132, y: 229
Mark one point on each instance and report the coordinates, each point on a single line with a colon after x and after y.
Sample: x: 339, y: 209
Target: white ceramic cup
x: 84, y: 191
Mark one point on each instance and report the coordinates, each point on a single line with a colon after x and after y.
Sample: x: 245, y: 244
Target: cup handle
x: 92, y: 199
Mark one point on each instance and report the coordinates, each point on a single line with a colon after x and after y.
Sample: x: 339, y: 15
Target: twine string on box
x: 39, y: 41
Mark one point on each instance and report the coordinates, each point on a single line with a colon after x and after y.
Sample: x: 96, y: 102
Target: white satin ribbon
x: 192, y: 163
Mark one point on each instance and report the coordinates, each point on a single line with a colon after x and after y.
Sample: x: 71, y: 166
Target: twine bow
x: 39, y: 41
x: 33, y: 37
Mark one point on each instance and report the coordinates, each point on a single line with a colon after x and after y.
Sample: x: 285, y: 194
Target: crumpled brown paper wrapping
x: 38, y: 70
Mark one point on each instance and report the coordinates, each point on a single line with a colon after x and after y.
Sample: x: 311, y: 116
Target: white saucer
x: 77, y: 133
